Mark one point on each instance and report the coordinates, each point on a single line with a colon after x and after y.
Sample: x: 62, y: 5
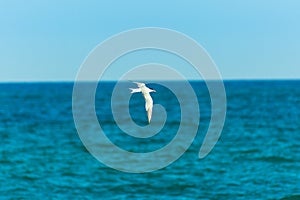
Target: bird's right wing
x: 149, y: 114
x: 148, y: 106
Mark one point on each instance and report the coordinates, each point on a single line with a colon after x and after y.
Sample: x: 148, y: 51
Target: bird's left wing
x: 139, y: 84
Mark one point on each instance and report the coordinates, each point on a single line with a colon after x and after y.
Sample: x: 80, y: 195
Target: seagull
x: 146, y: 93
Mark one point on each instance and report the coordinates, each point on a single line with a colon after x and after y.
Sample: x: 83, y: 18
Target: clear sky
x: 48, y: 40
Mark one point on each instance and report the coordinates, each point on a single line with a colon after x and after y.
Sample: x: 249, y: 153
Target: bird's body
x: 148, y: 99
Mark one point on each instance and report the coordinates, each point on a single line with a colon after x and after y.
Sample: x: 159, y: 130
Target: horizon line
x: 171, y: 80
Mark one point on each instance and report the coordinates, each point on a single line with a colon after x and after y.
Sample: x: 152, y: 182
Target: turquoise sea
x: 257, y: 156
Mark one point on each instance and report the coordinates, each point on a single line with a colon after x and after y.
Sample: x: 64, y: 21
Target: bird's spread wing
x: 149, y: 114
x: 139, y: 84
x: 148, y: 106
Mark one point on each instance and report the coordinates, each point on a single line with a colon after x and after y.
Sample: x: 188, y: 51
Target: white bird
x: 146, y: 93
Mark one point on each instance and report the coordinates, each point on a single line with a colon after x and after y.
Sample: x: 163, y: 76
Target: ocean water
x: 256, y: 157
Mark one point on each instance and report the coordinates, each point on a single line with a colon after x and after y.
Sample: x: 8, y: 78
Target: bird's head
x: 151, y: 90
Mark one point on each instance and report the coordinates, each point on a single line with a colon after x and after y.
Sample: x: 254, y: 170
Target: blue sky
x: 48, y: 40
